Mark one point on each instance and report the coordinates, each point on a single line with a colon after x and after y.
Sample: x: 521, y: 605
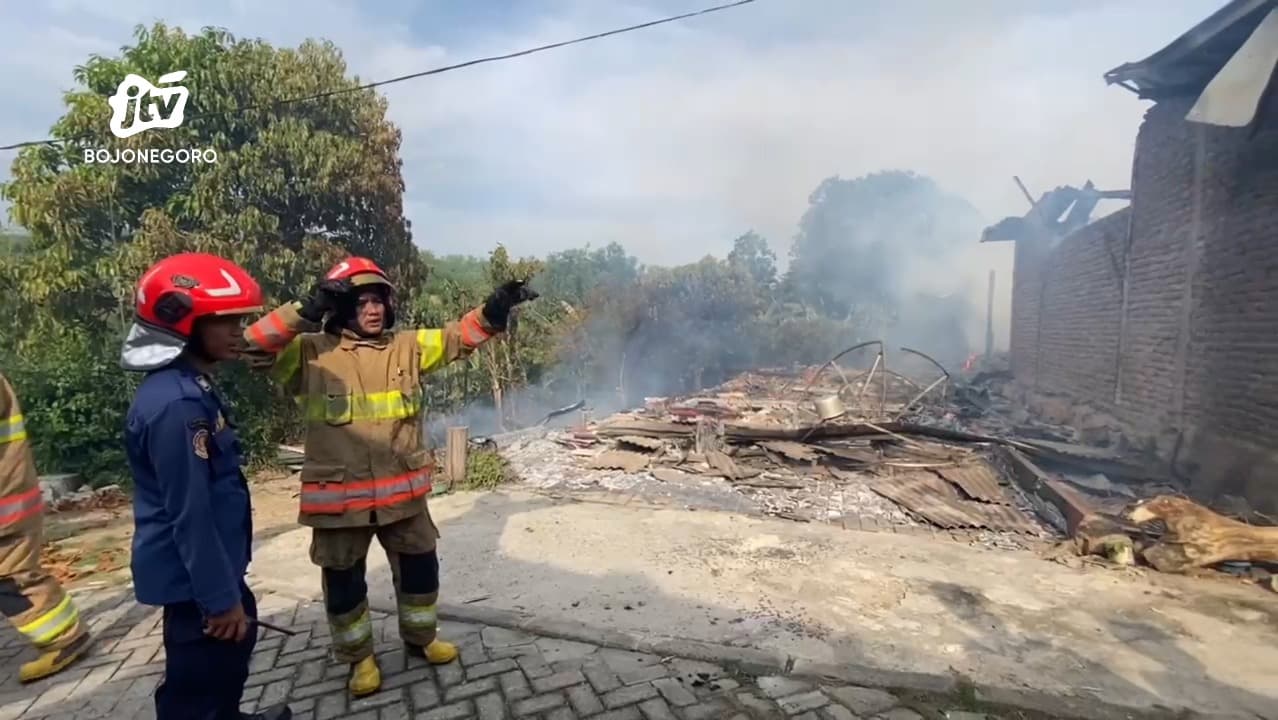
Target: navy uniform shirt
x: 193, y: 526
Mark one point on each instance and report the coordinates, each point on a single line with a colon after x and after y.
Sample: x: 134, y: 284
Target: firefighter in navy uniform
x: 367, y: 472
x: 32, y: 599
x: 192, y: 515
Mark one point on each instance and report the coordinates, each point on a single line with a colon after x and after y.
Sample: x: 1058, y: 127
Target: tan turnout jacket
x: 361, y: 399
x: 21, y: 502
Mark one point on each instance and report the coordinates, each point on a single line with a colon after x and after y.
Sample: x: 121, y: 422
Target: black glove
x: 323, y: 299
x: 498, y: 305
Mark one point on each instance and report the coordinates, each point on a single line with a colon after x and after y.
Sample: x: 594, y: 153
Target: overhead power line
x: 433, y: 71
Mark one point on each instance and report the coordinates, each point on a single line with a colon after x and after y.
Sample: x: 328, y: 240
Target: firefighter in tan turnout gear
x: 366, y: 470
x: 33, y: 600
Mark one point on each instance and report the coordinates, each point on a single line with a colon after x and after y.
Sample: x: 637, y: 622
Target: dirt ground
x: 92, y: 546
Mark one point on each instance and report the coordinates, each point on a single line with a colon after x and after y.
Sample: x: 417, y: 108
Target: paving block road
x: 501, y: 675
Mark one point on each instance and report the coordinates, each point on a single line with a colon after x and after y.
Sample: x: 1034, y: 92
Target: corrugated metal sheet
x: 792, y: 450
x: 978, y: 481
x: 620, y: 460
x: 938, y: 502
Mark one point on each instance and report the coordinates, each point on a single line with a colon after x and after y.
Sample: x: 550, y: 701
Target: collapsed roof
x: 1227, y: 60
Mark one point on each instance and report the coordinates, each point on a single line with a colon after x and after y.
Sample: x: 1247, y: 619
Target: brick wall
x: 1081, y: 297
x: 1188, y: 358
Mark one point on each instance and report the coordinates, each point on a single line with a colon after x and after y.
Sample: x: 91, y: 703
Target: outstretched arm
x: 459, y: 339
x: 456, y: 340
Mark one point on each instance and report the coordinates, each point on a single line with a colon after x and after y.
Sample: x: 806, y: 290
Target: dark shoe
x: 279, y: 712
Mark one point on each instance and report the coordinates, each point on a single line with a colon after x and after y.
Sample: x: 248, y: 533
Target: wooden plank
x: 1072, y: 505
x: 455, y: 450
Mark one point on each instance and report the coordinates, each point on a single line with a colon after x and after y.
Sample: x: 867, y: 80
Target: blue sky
x: 675, y: 140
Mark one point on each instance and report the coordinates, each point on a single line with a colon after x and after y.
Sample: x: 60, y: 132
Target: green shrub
x: 74, y: 405
x: 485, y: 470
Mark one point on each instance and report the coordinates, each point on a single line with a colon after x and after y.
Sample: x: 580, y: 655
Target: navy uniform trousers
x: 203, y: 677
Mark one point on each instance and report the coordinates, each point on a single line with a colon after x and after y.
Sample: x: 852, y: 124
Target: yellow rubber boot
x: 439, y: 652
x: 54, y: 661
x: 366, y: 677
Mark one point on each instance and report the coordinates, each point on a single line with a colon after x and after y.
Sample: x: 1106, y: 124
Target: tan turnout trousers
x: 30, y: 598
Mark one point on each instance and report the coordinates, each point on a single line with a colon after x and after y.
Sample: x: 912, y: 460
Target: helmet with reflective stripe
x: 175, y: 292
x: 363, y: 274
x: 360, y: 271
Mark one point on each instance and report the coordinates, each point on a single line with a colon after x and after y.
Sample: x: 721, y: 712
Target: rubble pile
x: 878, y: 450
x: 107, y: 497
x: 767, y: 442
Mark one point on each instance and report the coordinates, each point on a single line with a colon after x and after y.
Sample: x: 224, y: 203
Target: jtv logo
x: 138, y: 106
x: 137, y: 94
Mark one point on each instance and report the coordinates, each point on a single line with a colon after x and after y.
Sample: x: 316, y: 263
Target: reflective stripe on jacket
x: 361, y: 399
x: 21, y: 500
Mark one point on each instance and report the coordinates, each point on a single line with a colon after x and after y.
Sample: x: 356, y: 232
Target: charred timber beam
x: 1033, y: 480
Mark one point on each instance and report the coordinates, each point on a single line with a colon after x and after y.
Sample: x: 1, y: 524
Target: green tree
x: 295, y: 186
x: 752, y: 254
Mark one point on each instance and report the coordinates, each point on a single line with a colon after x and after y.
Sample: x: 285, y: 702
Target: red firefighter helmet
x: 360, y: 271
x: 175, y: 292
x: 364, y: 273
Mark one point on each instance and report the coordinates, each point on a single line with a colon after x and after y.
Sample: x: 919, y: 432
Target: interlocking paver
x: 484, y: 669
x: 331, y: 706
x: 377, y: 700
x: 515, y: 686
x: 602, y: 678
x: 629, y: 695
x: 270, y: 676
x: 539, y: 704
x: 470, y: 689
x: 473, y: 654
x: 301, y: 656
x: 863, y: 700
x: 275, y: 693
x: 319, y: 689
x: 457, y: 711
x: 558, y: 681
x: 491, y: 707
x: 500, y: 675
x: 630, y: 712
x: 713, y: 710
x: 837, y: 712
x: 796, y: 704
x: 450, y: 675
x: 647, y: 673
x: 310, y: 673
x: 424, y: 695
x: 674, y: 692
x: 415, y: 676
x: 584, y: 700
x: 656, y: 709
x: 534, y: 666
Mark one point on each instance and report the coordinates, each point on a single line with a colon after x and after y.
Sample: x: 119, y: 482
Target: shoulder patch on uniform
x: 198, y: 423
x: 200, y: 443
